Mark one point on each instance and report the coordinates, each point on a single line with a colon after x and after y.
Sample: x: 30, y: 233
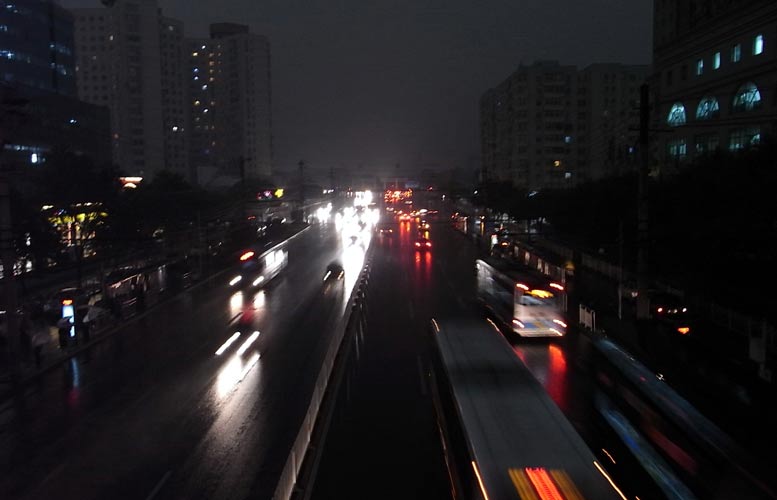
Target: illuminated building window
x: 699, y: 67
x: 747, y: 98
x: 677, y: 148
x: 744, y: 138
x: 676, y: 115
x: 758, y: 45
x: 716, y: 60
x: 708, y: 108
x: 736, y: 53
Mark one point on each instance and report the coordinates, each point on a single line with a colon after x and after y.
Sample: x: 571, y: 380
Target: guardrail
x: 352, y: 319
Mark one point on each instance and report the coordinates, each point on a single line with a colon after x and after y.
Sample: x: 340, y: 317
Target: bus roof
x: 518, y: 273
x: 513, y: 428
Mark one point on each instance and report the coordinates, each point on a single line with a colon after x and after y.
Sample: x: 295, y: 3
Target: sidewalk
x: 53, y: 355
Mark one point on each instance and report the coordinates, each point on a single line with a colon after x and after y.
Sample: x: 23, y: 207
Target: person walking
x: 63, y: 328
x: 39, y: 339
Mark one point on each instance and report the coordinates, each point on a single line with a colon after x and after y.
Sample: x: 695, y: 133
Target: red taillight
x: 417, y: 244
x: 428, y: 245
x: 247, y: 255
x: 556, y: 286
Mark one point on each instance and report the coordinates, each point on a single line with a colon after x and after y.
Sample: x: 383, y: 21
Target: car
x: 672, y: 312
x: 334, y: 272
x: 333, y: 278
x: 422, y: 244
x: 386, y: 231
x: 423, y: 225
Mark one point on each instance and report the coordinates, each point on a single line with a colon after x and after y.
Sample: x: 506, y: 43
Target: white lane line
x: 159, y: 485
x: 422, y: 378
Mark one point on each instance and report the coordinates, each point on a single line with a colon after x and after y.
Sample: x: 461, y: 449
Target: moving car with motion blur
x: 422, y: 244
x: 333, y: 277
x: 257, y: 269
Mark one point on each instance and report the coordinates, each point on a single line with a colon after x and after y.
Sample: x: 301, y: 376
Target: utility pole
x: 643, y: 304
x: 620, y: 269
x: 8, y: 256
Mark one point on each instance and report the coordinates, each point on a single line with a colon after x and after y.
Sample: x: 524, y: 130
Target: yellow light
x: 557, y: 163
x: 67, y: 302
x: 612, y: 483
x: 684, y: 330
x: 480, y: 480
x: 542, y: 294
x: 279, y: 193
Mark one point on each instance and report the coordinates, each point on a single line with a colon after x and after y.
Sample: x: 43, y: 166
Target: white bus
x: 529, y: 304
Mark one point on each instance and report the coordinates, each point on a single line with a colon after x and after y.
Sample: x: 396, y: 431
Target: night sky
x: 377, y: 82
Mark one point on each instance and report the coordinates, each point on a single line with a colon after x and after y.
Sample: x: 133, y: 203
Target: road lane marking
x: 159, y: 485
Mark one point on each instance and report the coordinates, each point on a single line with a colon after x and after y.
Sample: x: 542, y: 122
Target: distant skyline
x: 374, y: 83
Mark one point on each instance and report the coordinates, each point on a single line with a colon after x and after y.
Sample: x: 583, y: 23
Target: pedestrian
x: 82, y: 324
x: 39, y: 339
x: 63, y: 328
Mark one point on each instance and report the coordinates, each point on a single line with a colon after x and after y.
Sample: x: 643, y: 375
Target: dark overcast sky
x: 379, y: 82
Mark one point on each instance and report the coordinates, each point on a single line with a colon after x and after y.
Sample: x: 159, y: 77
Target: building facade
x: 39, y: 112
x: 715, y: 77
x: 36, y: 46
x: 529, y: 125
x: 611, y: 105
x: 230, y: 96
x: 550, y: 126
x: 129, y: 57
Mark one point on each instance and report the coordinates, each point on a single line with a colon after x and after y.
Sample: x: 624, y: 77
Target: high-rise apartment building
x: 552, y: 126
x: 39, y: 113
x: 611, y: 105
x: 715, y: 75
x: 529, y: 127
x: 36, y: 46
x: 129, y: 57
x: 230, y: 95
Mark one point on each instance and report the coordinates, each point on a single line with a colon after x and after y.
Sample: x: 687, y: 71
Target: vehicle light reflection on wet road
x: 548, y: 364
x: 233, y: 372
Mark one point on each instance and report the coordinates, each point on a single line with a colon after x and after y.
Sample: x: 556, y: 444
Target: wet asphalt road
x: 382, y: 442
x: 152, y: 412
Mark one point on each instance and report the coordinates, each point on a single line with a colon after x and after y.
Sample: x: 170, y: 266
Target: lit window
x: 205, y: 87
x: 202, y: 48
x: 744, y: 138
x: 758, y: 45
x: 747, y: 98
x: 708, y: 108
x: 699, y: 67
x: 196, y: 70
x: 677, y: 148
x: 196, y: 103
x: 736, y: 53
x: 676, y: 115
x: 716, y: 60
x: 195, y: 54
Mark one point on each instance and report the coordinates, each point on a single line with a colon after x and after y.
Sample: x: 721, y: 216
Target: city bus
x: 502, y: 436
x: 681, y: 451
x: 527, y: 303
